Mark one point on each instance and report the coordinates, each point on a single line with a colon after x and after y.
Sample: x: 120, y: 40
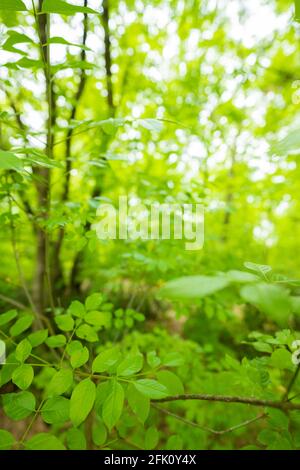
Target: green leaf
x: 241, y: 277
x: 6, y: 370
x: 18, y: 406
x: 23, y: 376
x: 21, y: 325
x: 9, y: 161
x: 174, y: 443
x: 193, y: 287
x: 63, y: 8
x: 171, y: 382
x: 281, y: 443
x: 274, y: 440
x: 113, y: 405
x: 110, y: 126
x: 172, y: 359
x: 102, y: 391
x: 82, y: 401
x: 35, y: 156
x: 262, y: 347
x: 151, y: 388
x: 25, y: 63
x: 153, y: 360
x: 151, y: 438
x: 277, y: 419
x: 56, y: 341
x: 60, y: 40
x: 7, y: 317
x: 282, y: 359
x: 77, y: 64
x: 56, y: 410
x: 96, y: 318
x: 99, y: 433
x: 12, y: 5
x: 23, y: 350
x: 76, y: 439
x: 60, y: 382
x: 37, y: 338
x: 271, y: 299
x: 88, y: 333
x: 267, y: 436
x: 139, y: 403
x: 151, y: 124
x: 44, y: 441
x: 291, y: 143
x: 15, y: 38
x: 106, y: 360
x: 74, y: 346
x: 77, y: 309
x: 6, y: 440
x: 93, y: 301
x: 132, y: 364
x: 79, y: 357
x: 262, y: 269
x: 64, y: 322
x: 231, y: 362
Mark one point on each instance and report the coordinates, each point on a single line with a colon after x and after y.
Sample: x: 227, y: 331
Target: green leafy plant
x: 133, y: 344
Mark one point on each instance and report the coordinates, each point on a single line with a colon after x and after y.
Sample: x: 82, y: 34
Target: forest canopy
x: 149, y: 216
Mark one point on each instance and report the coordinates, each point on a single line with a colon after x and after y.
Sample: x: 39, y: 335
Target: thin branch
x: 8, y: 338
x: 25, y: 131
x: 26, y: 209
x: 57, y: 270
x: 80, y: 90
x: 292, y: 383
x: 106, y: 138
x: 107, y: 56
x: 43, y: 188
x: 31, y: 422
x: 18, y: 264
x: 23, y: 128
x: 232, y: 399
x: 207, y: 429
x: 13, y: 302
x: 294, y: 396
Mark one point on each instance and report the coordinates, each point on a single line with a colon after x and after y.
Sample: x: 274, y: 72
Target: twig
x: 78, y: 95
x: 13, y: 302
x: 44, y: 190
x: 68, y: 151
x: 291, y: 384
x: 207, y: 429
x: 107, y: 56
x: 8, y: 338
x: 18, y: 264
x: 31, y: 422
x: 282, y: 405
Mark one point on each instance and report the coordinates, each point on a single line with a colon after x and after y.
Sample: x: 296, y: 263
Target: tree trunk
x: 41, y: 293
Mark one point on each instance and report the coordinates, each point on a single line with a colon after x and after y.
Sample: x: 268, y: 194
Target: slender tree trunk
x: 74, y: 284
x: 40, y: 291
x: 107, y: 57
x: 230, y: 194
x: 56, y: 265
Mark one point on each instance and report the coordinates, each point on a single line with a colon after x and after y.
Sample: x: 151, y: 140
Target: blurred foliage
x: 164, y: 102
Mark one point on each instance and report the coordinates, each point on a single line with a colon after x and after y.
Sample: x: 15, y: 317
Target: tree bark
x: 56, y: 266
x: 43, y: 175
x: 74, y: 285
